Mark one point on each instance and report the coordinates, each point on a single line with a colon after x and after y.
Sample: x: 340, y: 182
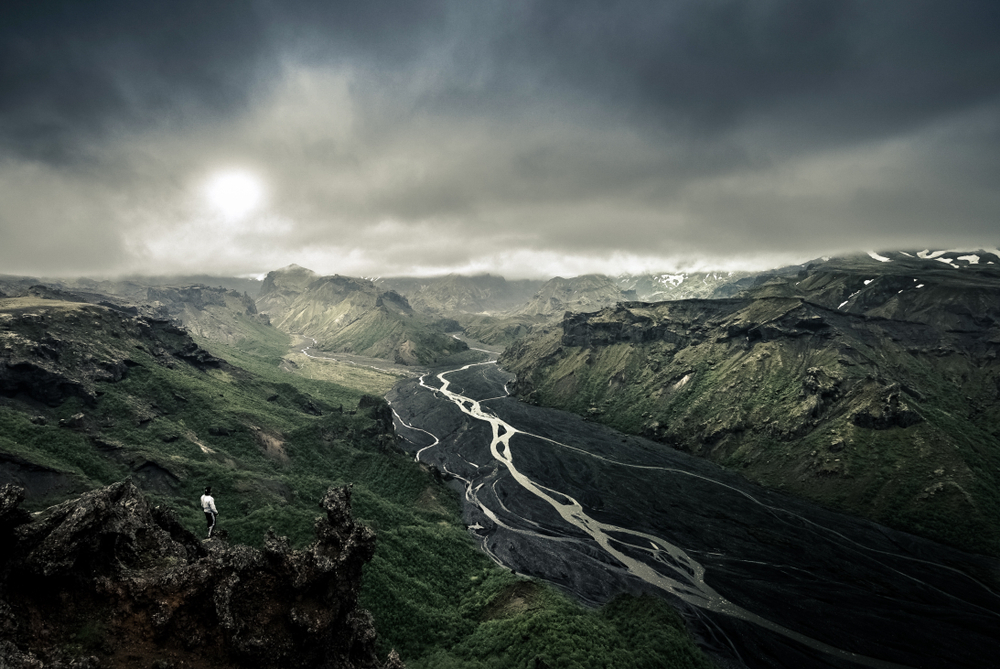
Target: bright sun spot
x: 235, y: 193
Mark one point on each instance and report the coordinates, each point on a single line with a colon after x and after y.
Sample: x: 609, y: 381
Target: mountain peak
x: 294, y: 268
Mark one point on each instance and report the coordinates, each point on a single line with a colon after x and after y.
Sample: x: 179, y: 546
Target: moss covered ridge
x: 890, y: 418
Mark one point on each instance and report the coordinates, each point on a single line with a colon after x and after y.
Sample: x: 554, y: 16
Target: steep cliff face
x: 892, y: 417
x: 108, y: 581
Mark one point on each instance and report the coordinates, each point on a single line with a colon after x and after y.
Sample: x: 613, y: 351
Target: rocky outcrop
x: 885, y: 410
x: 107, y: 580
x: 51, y: 350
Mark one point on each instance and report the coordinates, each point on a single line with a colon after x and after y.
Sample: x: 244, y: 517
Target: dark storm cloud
x: 588, y: 129
x: 73, y: 72
x: 834, y: 70
x: 76, y: 70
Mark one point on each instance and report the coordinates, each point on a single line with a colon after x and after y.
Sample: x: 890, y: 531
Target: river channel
x: 764, y: 579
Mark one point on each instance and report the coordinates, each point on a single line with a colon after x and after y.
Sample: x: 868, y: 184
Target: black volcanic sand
x: 891, y: 597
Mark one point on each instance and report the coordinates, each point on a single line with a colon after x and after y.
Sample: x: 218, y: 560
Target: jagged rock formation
x: 108, y: 581
x: 352, y: 315
x: 870, y: 386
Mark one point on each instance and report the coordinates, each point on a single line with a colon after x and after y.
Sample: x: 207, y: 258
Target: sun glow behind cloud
x: 235, y: 193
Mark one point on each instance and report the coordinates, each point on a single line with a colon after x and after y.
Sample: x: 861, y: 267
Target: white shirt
x: 208, y: 504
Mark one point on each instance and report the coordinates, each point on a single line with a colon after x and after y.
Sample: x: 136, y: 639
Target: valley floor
x: 767, y: 579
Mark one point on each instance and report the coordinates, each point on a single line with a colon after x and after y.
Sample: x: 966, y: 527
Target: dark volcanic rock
x: 125, y: 584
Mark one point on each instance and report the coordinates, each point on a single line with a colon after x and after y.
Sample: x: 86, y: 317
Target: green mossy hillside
x: 887, y: 419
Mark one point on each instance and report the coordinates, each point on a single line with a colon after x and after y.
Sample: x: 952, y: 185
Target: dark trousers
x: 210, y: 518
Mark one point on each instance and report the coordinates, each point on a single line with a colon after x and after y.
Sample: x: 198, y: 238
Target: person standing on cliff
x: 208, y: 506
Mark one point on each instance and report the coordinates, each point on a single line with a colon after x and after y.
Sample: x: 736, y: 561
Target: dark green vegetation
x: 91, y: 394
x: 628, y: 633
x: 869, y: 387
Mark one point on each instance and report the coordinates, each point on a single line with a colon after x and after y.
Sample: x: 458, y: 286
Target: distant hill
x: 216, y: 313
x: 352, y: 315
x: 871, y: 385
x: 546, y: 304
x: 588, y: 292
x: 133, y: 287
x: 453, y: 295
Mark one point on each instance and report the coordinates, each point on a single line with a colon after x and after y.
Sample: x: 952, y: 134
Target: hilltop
x: 453, y: 295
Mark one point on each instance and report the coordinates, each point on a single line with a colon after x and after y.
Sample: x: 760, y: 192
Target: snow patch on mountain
x: 673, y: 279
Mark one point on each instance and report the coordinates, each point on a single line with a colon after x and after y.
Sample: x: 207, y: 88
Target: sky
x: 517, y: 137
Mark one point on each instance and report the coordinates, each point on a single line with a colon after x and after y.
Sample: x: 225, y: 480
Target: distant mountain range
x: 678, y: 286
x: 868, y: 383
x: 447, y: 296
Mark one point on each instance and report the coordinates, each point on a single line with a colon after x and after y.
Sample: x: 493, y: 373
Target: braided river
x: 764, y: 579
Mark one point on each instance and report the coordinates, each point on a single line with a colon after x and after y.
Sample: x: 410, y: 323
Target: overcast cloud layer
x: 522, y: 138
